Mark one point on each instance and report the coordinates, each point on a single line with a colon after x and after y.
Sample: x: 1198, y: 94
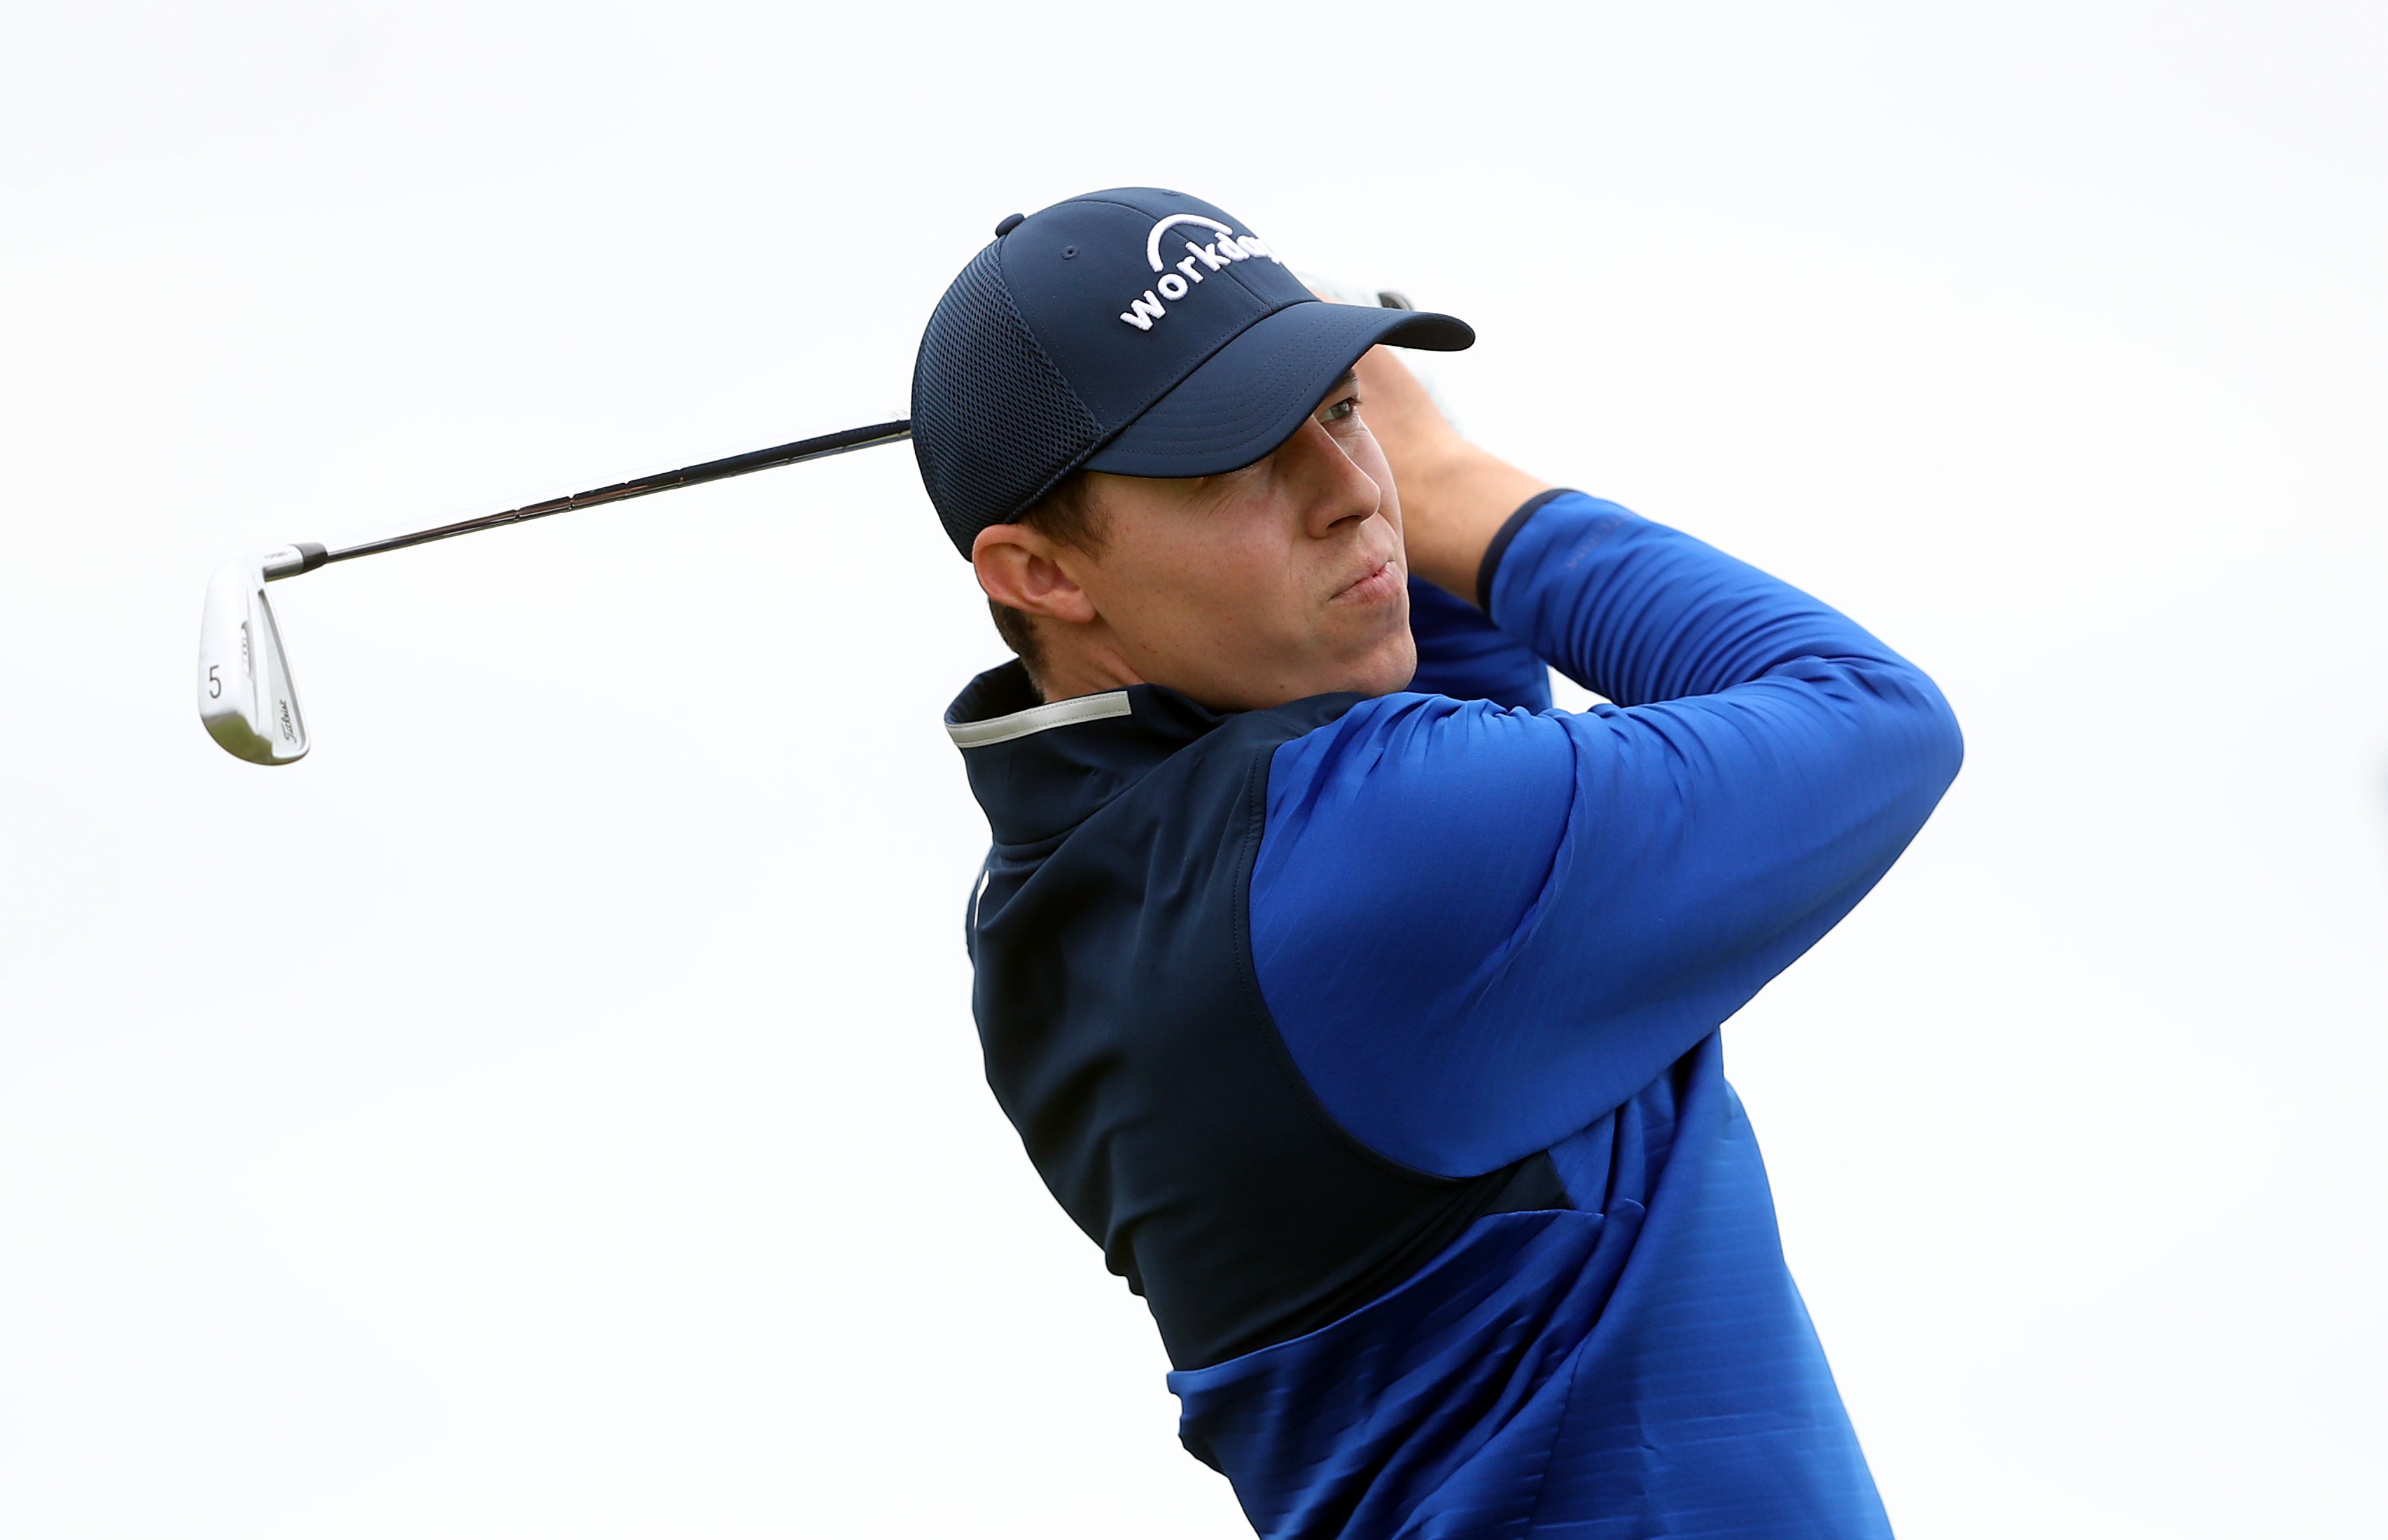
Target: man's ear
x: 1021, y: 567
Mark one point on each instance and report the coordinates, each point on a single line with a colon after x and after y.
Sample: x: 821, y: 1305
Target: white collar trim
x: 1036, y: 719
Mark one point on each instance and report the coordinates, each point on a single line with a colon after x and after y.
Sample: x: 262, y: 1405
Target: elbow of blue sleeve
x: 1948, y: 740
x: 1935, y: 744
x: 1915, y: 745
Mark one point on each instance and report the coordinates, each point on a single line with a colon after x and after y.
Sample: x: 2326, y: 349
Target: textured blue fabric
x: 1462, y: 654
x: 1642, y: 1366
x: 1481, y: 929
x: 1486, y: 931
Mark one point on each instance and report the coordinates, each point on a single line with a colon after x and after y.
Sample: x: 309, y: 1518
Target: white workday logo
x: 1176, y: 279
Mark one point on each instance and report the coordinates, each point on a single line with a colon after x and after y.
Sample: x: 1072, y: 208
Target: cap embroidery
x: 1143, y: 312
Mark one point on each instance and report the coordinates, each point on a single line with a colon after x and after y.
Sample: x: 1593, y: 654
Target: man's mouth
x: 1379, y: 583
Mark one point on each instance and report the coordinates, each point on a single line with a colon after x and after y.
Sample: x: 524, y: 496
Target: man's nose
x: 1332, y: 488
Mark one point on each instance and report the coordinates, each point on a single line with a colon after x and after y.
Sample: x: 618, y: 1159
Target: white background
x: 552, y: 1108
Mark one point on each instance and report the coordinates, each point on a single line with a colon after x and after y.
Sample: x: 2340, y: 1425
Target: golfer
x: 1361, y: 1007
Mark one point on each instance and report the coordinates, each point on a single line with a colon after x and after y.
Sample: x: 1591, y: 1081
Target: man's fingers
x: 1400, y: 412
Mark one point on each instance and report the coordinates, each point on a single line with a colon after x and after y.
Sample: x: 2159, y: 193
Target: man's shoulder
x: 1222, y: 772
x: 1410, y: 745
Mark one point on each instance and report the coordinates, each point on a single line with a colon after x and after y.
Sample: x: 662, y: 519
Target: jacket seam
x: 1248, y: 980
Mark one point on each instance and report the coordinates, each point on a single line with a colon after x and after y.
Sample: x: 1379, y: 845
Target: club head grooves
x: 246, y: 701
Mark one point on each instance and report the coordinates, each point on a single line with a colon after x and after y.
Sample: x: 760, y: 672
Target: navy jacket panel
x: 1125, y: 1037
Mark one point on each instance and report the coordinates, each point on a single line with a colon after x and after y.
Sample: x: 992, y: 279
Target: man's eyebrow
x: 1343, y: 382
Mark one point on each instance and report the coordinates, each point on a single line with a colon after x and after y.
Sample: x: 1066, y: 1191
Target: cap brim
x: 1249, y: 396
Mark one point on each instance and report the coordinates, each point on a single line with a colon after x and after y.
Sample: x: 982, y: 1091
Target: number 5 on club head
x: 246, y: 699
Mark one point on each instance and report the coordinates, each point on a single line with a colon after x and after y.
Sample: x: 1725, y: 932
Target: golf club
x: 246, y: 702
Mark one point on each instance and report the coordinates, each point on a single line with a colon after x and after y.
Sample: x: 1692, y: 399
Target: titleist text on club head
x: 246, y: 701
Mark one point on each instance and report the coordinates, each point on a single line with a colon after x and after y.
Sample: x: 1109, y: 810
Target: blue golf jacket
x: 1376, y: 1039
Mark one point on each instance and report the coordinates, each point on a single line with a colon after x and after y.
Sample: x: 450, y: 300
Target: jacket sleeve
x: 1481, y: 929
x: 1462, y: 654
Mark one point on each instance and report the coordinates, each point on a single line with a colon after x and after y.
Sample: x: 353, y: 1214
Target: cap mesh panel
x: 994, y: 424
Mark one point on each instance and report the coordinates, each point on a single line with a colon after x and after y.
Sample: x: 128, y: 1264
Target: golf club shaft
x: 687, y: 475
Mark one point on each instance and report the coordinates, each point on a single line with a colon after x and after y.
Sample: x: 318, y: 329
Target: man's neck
x: 1082, y: 664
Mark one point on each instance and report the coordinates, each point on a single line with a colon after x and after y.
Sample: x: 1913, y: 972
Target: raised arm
x: 1461, y: 653
x: 1479, y: 930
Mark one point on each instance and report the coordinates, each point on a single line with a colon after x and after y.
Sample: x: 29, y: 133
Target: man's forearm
x: 1642, y: 613
x: 1464, y: 497
x: 1454, y: 497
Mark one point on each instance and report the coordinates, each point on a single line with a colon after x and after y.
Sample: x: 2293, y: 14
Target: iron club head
x: 246, y: 699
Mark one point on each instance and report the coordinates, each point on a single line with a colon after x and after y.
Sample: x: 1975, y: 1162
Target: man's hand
x: 1454, y: 497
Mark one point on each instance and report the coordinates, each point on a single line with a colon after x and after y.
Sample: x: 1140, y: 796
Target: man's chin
x: 1389, y: 668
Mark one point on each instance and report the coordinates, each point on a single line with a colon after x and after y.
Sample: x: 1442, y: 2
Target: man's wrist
x: 1488, y: 571
x: 1462, y: 498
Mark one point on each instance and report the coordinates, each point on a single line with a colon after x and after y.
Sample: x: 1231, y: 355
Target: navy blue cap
x: 1136, y: 331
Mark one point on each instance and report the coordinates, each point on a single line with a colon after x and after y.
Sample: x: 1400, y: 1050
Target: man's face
x: 1253, y: 587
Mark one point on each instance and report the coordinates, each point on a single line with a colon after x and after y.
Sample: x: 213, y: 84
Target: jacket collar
x: 1039, y: 770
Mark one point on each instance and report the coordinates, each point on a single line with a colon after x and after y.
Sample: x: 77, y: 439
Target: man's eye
x: 1348, y: 407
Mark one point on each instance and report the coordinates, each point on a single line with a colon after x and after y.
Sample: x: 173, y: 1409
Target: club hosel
x: 246, y: 699
x: 292, y: 560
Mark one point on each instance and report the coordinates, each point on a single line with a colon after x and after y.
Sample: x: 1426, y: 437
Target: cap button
x: 1009, y: 224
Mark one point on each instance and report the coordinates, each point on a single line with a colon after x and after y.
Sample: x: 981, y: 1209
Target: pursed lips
x: 1380, y: 582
